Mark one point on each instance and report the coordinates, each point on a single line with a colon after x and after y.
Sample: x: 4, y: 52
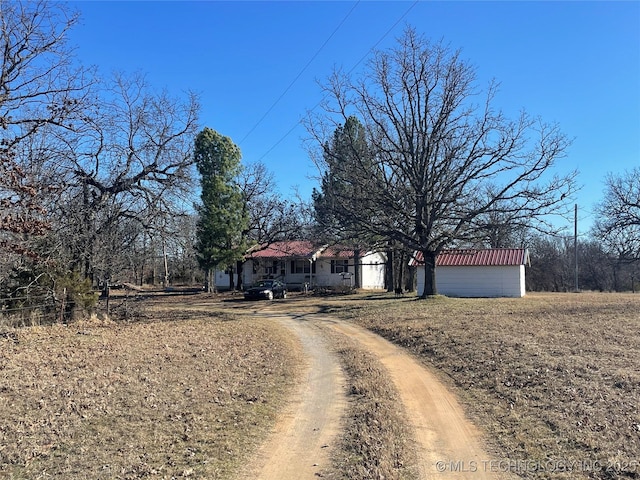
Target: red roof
x: 294, y: 248
x: 338, y: 252
x: 479, y: 258
x: 301, y: 249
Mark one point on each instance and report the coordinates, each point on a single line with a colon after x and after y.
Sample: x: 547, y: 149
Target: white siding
x: 372, y: 276
x: 324, y: 277
x: 372, y: 273
x: 495, y: 281
x: 222, y: 280
x: 420, y: 280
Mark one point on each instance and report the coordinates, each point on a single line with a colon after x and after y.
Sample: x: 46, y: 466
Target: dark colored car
x: 266, y: 289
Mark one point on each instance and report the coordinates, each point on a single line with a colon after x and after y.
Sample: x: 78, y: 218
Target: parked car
x: 266, y: 289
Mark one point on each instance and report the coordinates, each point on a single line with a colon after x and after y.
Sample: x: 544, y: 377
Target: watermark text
x: 530, y: 466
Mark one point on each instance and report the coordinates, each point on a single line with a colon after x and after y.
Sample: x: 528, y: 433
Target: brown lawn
x: 190, y: 389
x: 181, y: 398
x: 554, y: 379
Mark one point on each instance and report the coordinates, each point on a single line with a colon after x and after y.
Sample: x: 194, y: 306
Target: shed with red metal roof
x: 496, y: 272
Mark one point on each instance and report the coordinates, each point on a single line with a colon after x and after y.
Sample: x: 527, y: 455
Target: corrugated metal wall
x: 457, y: 281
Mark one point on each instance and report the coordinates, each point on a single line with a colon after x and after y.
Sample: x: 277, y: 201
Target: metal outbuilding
x: 496, y: 272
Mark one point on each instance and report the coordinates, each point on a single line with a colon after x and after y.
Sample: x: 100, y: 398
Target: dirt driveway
x: 448, y: 445
x: 299, y: 445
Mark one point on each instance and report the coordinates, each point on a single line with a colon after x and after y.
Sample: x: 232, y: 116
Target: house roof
x: 301, y: 249
x: 338, y: 252
x: 289, y: 249
x: 478, y: 257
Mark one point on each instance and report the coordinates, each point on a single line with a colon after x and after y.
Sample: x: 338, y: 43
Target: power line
x: 351, y: 70
x: 281, y: 139
x: 385, y: 35
x: 301, y: 72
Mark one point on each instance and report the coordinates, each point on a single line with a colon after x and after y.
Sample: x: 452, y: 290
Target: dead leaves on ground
x: 551, y: 377
x: 159, y: 400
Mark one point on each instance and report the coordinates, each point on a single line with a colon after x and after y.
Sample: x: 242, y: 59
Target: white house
x: 302, y: 263
x: 498, y: 272
x: 222, y: 279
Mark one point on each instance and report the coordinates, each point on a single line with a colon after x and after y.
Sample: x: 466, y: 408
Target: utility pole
x: 166, y: 266
x: 575, y: 245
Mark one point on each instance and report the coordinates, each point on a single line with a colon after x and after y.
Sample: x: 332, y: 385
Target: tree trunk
x: 388, y: 274
x: 430, y: 287
x: 232, y: 283
x: 401, y: 266
x: 410, y: 284
x: 211, y: 278
x: 356, y: 268
x: 239, y: 269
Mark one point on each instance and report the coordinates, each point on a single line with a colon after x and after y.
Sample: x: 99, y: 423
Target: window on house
x: 339, y: 266
x: 300, y: 266
x: 271, y: 268
x: 303, y: 266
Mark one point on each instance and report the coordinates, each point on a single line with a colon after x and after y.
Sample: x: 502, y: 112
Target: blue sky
x: 575, y: 63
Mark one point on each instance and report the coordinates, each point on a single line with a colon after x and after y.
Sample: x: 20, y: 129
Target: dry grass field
x: 182, y: 394
x: 190, y: 386
x: 554, y: 379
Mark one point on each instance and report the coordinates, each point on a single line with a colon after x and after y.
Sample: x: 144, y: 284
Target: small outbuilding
x: 496, y: 272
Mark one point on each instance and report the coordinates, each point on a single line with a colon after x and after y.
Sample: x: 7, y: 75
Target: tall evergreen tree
x: 221, y: 216
x: 344, y: 157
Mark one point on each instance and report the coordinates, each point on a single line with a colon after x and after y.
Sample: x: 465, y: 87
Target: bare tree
x: 600, y: 267
x: 442, y: 155
x: 618, y: 224
x: 129, y: 159
x: 552, y: 264
x: 597, y: 269
x: 180, y: 246
x: 617, y: 228
x: 501, y: 228
x: 39, y: 89
x: 271, y: 217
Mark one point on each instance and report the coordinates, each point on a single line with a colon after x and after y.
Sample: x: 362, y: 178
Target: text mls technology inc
x: 522, y: 466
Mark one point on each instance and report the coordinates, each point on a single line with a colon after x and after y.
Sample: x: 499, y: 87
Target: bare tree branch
x: 435, y: 144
